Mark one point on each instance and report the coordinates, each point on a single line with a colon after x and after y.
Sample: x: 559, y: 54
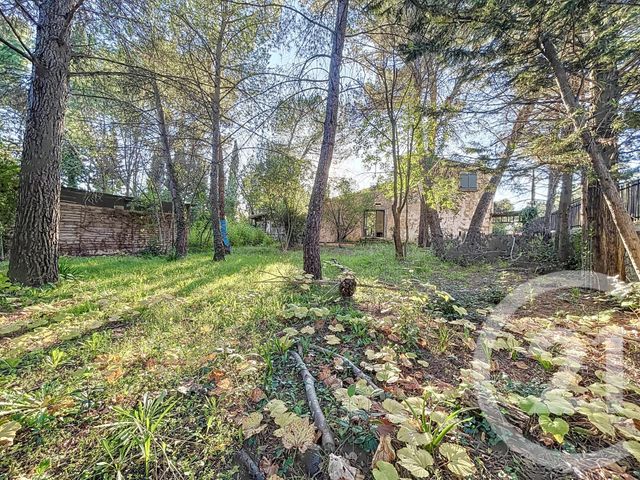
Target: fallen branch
x: 244, y: 459
x: 328, y: 443
x: 354, y: 368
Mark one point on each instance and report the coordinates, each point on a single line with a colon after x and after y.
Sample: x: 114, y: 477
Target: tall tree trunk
x: 216, y: 153
x: 552, y: 190
x: 593, y: 146
x: 179, y: 210
x: 397, y: 234
x: 435, y: 230
x: 474, y: 233
x: 563, y: 235
x: 221, y: 202
x: 423, y: 226
x: 311, y: 243
x: 604, y: 242
x: 231, y: 195
x: 34, y: 247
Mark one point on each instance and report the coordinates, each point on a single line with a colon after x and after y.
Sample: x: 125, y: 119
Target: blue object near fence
x: 225, y: 237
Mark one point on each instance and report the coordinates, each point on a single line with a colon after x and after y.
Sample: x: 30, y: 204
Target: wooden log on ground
x: 328, y: 443
x: 354, y: 368
x: 244, y: 459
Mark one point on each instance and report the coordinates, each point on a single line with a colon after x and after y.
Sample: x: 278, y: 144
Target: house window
x: 469, y: 181
x: 374, y: 223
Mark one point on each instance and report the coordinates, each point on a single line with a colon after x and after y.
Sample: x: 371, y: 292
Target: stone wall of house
x: 455, y: 223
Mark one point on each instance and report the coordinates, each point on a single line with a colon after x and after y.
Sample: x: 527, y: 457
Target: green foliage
x: 72, y: 169
x: 9, y: 170
x: 241, y: 234
x: 232, y: 189
x: 528, y: 214
x: 275, y: 184
x: 136, y: 435
x: 503, y: 206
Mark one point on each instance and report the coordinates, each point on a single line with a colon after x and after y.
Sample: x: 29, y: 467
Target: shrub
x: 241, y: 234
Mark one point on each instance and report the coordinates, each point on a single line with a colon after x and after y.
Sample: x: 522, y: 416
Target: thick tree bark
x: 216, y: 154
x: 603, y: 240
x: 179, y: 211
x: 311, y: 243
x: 435, y: 230
x: 34, y: 247
x: 552, y: 190
x: 423, y: 226
x: 563, y: 235
x: 593, y: 146
x: 474, y: 234
x: 397, y: 234
x: 232, y: 186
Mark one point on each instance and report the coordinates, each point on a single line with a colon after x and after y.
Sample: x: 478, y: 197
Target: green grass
x: 81, y: 355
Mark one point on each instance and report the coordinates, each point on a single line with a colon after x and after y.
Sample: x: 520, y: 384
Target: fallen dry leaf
x: 385, y: 451
x: 410, y: 383
x: 223, y: 386
x: 216, y: 375
x: 114, y: 375
x: 268, y: 467
x: 385, y: 428
x: 257, y: 395
x: 340, y: 469
x: 299, y: 434
x: 394, y: 338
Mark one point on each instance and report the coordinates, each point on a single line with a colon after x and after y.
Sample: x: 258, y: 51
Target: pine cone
x: 347, y: 287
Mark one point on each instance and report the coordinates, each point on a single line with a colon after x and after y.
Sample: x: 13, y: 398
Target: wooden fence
x: 630, y: 193
x: 92, y: 230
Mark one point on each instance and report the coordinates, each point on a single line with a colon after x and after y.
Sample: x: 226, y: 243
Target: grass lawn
x: 149, y: 368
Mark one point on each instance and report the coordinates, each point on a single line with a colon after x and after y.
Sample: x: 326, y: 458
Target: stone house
x: 377, y: 221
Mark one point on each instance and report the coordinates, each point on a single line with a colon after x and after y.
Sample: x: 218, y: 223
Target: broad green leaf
x: 412, y: 437
x: 285, y: 418
x: 556, y: 427
x: 589, y: 407
x: 633, y: 448
x: 251, y: 424
x: 396, y: 412
x: 385, y: 471
x: 628, y: 430
x: 275, y: 407
x: 460, y: 463
x: 603, y: 422
x: 416, y: 461
x: 628, y: 409
x: 459, y: 310
x: 319, y: 312
x: 338, y: 327
x: 603, y: 389
x: 308, y: 330
x: 352, y: 403
x: 332, y: 340
x: 614, y: 379
x: 558, y: 405
x: 533, y: 406
x: 351, y: 391
x: 387, y: 372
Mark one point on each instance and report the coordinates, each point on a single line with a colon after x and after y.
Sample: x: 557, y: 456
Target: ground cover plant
x: 143, y: 367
